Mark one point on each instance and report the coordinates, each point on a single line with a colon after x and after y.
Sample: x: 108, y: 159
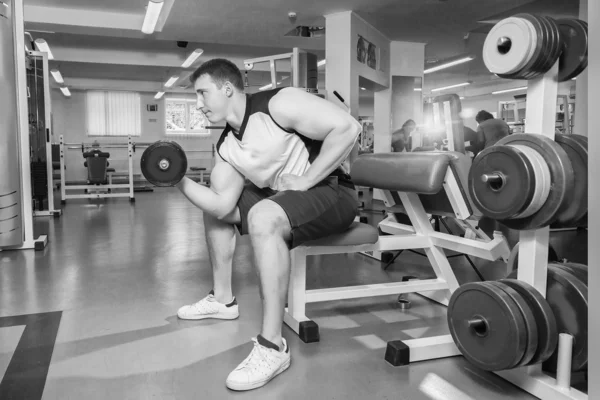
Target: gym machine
x: 16, y: 208
x: 40, y: 133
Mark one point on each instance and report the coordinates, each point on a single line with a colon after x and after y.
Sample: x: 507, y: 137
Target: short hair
x: 483, y: 116
x: 220, y: 70
x: 409, y: 122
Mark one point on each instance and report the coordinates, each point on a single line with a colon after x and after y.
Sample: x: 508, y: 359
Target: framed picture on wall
x: 367, y: 53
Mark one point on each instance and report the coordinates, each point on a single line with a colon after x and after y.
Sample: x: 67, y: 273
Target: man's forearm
x: 334, y: 150
x: 204, y: 198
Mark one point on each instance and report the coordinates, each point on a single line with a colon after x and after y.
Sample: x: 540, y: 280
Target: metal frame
x: 418, y: 236
x: 29, y: 242
x: 49, y: 133
x: 294, y: 58
x: 64, y: 188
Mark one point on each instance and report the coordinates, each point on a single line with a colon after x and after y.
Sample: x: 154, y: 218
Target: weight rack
x: 533, y: 255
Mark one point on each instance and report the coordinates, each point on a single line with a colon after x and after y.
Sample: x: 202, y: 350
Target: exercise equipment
x: 535, y: 158
x: 16, y: 208
x: 567, y: 296
x: 574, y: 57
x: 164, y: 163
x: 513, y: 260
x: 576, y: 207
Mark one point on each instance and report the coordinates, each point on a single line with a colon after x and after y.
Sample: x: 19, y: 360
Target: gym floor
x: 93, y: 316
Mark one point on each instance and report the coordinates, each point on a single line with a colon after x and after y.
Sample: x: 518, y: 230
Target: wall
x: 68, y: 115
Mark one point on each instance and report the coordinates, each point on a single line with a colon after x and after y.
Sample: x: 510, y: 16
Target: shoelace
x: 258, y: 356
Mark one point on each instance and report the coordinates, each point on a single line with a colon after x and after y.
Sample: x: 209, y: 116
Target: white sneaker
x: 209, y: 307
x: 262, y: 365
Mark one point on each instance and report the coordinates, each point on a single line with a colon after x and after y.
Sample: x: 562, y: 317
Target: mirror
x: 406, y: 112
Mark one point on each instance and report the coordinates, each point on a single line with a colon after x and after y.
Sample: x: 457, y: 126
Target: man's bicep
x: 226, y: 181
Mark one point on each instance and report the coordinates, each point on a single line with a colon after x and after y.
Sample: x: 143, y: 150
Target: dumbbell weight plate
x: 575, y: 205
x: 514, y: 191
x: 561, y: 172
x: 487, y: 326
x: 164, y: 163
x: 508, y: 57
x: 544, y: 317
x: 573, y: 59
x: 580, y: 270
x: 530, y: 322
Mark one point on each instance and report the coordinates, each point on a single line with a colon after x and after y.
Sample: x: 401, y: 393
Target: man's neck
x: 235, y: 118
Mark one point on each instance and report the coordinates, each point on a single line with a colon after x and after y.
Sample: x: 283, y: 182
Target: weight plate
x: 530, y: 322
x: 544, y: 318
x: 554, y: 44
x: 561, y: 173
x: 573, y: 59
x: 567, y: 297
x: 512, y: 193
x: 575, y: 203
x: 579, y: 270
x: 513, y: 259
x: 487, y: 326
x: 507, y: 47
x: 163, y: 163
x: 540, y: 46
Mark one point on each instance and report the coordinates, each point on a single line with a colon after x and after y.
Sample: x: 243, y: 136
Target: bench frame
x: 420, y: 235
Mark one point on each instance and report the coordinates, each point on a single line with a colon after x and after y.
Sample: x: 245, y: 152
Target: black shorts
x: 325, y: 209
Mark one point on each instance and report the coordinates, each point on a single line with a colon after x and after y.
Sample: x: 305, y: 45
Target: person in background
x: 400, y: 137
x: 490, y: 130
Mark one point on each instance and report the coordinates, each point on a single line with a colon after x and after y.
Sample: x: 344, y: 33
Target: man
x: 490, y: 129
x: 401, y: 137
x: 290, y: 146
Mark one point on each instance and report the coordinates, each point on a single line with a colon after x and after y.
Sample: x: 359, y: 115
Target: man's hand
x: 293, y: 182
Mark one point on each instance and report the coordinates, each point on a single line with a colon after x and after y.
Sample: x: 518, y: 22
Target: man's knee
x: 268, y: 218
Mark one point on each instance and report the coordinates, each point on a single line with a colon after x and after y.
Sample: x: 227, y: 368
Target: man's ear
x: 228, y: 89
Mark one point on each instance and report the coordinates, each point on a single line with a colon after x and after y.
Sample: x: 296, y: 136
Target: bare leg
x: 220, y: 237
x: 269, y: 230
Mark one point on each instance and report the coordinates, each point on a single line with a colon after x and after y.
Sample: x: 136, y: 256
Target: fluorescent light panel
x: 172, y: 81
x: 509, y: 90
x: 152, y: 15
x: 321, y: 63
x: 57, y: 76
x: 66, y: 91
x: 159, y: 95
x: 450, y: 87
x: 418, y: 90
x: 44, y: 48
x: 449, y: 64
x: 192, y: 58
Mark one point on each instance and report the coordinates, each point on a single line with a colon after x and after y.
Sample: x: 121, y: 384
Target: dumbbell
x: 164, y: 163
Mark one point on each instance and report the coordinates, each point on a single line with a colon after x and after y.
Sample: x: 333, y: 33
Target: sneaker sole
x: 256, y: 385
x: 207, y: 316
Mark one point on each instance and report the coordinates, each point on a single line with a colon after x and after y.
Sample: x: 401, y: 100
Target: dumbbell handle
x: 491, y: 178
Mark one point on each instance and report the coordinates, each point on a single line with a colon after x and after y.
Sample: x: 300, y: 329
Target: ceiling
x: 94, y: 41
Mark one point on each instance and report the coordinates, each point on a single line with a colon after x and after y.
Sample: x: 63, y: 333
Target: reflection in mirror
x: 366, y: 106
x: 407, y: 111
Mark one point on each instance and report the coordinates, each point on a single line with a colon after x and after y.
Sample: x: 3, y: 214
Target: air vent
x: 307, y: 31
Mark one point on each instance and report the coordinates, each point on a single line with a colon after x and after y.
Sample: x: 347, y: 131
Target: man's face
x: 212, y: 101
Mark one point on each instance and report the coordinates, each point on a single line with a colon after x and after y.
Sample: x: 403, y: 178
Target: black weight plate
x: 530, y: 322
x: 544, y: 317
x: 575, y: 203
x: 511, y: 196
x: 561, y: 173
x: 579, y: 270
x: 557, y: 41
x: 542, y: 54
x: 568, y: 298
x: 502, y: 342
x: 554, y: 44
x: 173, y: 169
x: 573, y: 59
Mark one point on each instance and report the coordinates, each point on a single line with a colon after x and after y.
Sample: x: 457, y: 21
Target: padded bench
x: 404, y: 179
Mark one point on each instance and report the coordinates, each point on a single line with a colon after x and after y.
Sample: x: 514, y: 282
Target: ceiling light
x: 509, y: 90
x: 450, y: 87
x: 448, y: 64
x: 321, y: 63
x: 192, y: 58
x: 44, y: 48
x: 172, y: 81
x: 65, y: 91
x: 461, y: 98
x: 57, y: 76
x: 418, y: 89
x: 362, y: 88
x: 159, y: 95
x: 152, y: 14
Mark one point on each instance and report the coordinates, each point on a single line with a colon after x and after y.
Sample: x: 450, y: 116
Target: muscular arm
x: 226, y: 185
x: 317, y: 119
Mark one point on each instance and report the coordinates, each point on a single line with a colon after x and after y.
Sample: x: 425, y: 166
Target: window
x: 113, y: 113
x: 181, y: 116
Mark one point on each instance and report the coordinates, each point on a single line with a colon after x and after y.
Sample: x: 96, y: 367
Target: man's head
x: 409, y: 126
x: 483, y: 116
x: 215, y: 83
